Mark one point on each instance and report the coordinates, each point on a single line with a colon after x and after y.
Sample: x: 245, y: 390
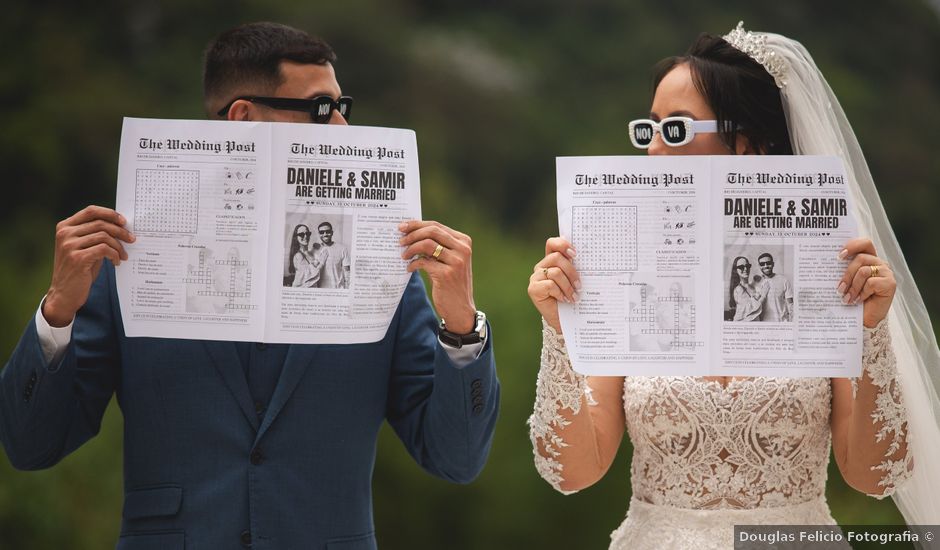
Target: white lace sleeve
x: 889, y: 415
x: 558, y: 387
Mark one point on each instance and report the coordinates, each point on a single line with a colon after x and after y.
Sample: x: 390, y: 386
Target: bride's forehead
x: 676, y: 94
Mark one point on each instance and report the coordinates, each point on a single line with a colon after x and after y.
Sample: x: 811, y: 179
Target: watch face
x: 481, y: 325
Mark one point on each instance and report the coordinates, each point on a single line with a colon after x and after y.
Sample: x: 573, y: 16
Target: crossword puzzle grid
x: 606, y: 237
x: 167, y: 201
x: 202, y: 275
x: 234, y: 264
x: 646, y: 313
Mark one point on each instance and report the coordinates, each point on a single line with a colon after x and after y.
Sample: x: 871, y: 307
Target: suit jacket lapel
x: 299, y: 358
x: 226, y: 361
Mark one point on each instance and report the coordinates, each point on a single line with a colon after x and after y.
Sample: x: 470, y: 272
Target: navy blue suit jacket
x: 202, y: 469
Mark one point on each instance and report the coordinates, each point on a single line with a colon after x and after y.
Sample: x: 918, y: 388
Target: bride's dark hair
x: 735, y: 280
x: 739, y: 90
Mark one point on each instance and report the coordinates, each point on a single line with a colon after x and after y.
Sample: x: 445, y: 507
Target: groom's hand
x: 82, y: 243
x: 444, y: 254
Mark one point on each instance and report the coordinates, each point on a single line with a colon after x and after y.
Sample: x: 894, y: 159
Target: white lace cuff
x: 558, y: 387
x: 889, y: 414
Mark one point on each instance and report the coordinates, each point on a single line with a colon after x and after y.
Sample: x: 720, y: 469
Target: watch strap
x: 478, y: 334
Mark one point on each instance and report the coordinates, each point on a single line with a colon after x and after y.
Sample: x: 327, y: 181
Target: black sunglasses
x: 320, y: 108
x: 302, y: 234
x: 742, y: 266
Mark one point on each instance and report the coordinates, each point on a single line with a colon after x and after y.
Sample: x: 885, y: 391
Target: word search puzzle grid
x: 167, y: 201
x: 606, y: 238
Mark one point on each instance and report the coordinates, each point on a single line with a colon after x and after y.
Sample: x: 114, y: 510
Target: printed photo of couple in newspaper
x: 317, y: 255
x: 760, y: 284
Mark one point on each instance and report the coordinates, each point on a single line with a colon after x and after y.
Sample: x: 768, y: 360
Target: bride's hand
x: 554, y: 279
x: 867, y: 279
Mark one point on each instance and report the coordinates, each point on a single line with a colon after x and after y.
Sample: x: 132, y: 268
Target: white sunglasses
x: 676, y: 130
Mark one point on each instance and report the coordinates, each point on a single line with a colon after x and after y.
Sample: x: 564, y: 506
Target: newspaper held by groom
x: 264, y: 232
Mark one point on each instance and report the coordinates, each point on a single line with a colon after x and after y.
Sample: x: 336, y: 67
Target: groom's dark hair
x: 246, y: 61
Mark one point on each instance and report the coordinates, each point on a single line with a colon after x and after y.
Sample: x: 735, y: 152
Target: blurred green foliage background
x: 495, y: 90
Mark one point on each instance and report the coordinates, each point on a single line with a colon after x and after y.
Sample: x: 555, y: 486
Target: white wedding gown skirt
x: 651, y: 526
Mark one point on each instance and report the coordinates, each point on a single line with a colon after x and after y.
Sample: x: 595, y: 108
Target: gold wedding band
x: 874, y: 271
x: 545, y: 272
x: 437, y: 251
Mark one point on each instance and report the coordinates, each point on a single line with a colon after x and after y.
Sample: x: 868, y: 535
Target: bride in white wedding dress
x: 710, y: 453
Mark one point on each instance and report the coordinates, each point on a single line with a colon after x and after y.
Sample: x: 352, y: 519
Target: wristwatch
x: 478, y: 334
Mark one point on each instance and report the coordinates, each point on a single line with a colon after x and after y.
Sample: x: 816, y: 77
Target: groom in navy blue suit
x: 238, y: 444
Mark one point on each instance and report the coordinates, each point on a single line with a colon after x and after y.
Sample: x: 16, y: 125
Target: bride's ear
x: 743, y: 146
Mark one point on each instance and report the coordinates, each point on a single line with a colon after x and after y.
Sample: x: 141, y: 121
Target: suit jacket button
x: 476, y: 383
x: 245, y: 538
x: 257, y: 457
x: 478, y: 408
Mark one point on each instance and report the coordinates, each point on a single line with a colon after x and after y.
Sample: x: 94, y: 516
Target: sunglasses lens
x: 674, y: 132
x: 642, y: 134
x: 345, y: 107
x: 321, y: 110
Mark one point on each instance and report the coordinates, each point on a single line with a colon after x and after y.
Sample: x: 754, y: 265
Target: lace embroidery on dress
x: 558, y: 387
x: 880, y: 364
x: 757, y: 443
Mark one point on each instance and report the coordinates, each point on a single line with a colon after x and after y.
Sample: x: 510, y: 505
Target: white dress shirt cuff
x: 463, y: 356
x: 52, y: 340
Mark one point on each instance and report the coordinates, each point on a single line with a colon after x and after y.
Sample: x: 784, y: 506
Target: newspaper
x: 264, y: 232
x: 709, y: 266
